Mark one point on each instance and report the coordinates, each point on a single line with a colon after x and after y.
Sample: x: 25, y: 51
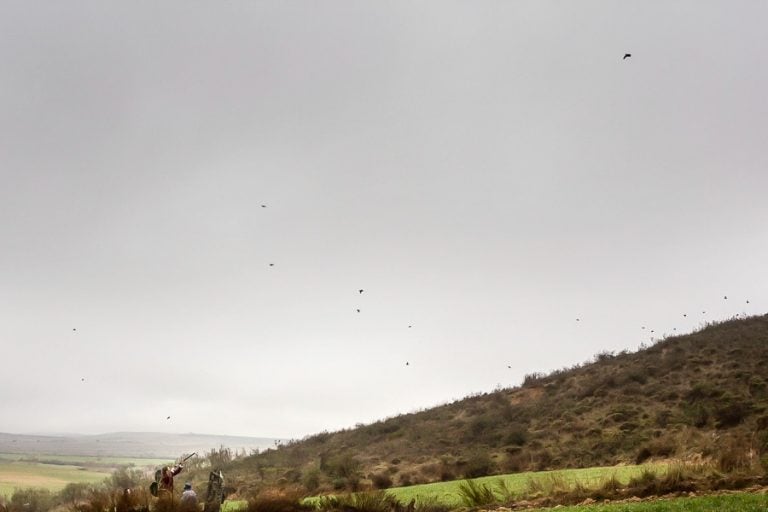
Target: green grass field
x: 741, y: 502
x: 447, y: 492
x: 53, y: 472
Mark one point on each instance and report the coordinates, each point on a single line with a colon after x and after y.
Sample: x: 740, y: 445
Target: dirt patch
x: 525, y: 395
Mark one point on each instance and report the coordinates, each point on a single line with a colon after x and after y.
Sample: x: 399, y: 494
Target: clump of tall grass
x: 547, y: 485
x: 377, y: 501
x: 506, y: 494
x: 473, y: 494
x: 430, y: 504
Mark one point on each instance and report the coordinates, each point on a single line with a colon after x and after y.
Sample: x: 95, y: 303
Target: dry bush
x: 278, y: 500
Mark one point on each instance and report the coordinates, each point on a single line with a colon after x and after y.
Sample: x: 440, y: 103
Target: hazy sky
x: 486, y: 171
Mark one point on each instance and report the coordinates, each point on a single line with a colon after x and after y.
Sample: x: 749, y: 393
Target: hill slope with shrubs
x: 701, y: 396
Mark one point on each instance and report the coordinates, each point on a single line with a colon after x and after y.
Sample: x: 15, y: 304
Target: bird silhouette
x: 578, y: 319
x: 509, y: 366
x: 725, y: 297
x: 263, y: 206
x: 410, y: 326
x: 685, y: 314
x: 747, y: 301
x: 703, y: 312
x: 271, y: 264
x: 357, y: 310
x: 407, y: 363
x: 360, y: 291
x: 73, y: 329
x: 626, y: 56
x: 168, y: 418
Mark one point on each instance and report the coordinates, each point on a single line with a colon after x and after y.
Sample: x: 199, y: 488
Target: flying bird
x: 73, y: 329
x: 626, y: 56
x: 747, y: 301
x: 357, y: 310
x: 263, y: 206
x: 725, y: 297
x: 361, y: 291
x: 168, y: 418
x: 685, y: 314
x: 412, y: 326
x: 271, y: 264
x: 578, y: 319
x: 407, y: 363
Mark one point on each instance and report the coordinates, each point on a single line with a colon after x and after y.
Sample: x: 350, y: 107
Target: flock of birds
x: 360, y: 291
x: 674, y: 329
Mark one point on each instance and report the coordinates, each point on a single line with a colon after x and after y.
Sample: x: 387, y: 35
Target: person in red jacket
x: 165, y: 488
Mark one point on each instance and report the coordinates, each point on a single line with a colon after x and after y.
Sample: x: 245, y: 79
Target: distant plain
x: 54, y: 472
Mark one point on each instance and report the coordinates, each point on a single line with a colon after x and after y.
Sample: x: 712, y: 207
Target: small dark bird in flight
x: 578, y: 319
x: 263, y: 206
x: 73, y: 329
x: 643, y: 327
x: 168, y: 418
x: 361, y: 291
x: 407, y: 363
x: 652, y: 330
x: 703, y: 312
x: 509, y: 366
x: 626, y: 56
x: 357, y: 310
x: 685, y: 314
x: 271, y: 264
x: 412, y: 326
x: 725, y: 297
x: 82, y: 380
x: 747, y: 302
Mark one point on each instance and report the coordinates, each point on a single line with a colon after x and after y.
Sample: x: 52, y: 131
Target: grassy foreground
x: 741, y: 502
x: 448, y: 492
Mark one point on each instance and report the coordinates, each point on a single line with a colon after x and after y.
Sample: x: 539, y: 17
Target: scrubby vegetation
x: 702, y: 396
x: 701, y: 399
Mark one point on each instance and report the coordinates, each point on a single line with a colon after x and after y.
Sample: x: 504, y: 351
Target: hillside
x: 700, y: 395
x: 127, y: 444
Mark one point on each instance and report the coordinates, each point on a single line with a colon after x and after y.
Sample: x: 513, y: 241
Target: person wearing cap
x: 188, y: 498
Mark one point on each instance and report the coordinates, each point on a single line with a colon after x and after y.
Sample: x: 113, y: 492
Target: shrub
x: 730, y: 414
x: 278, y: 501
x: 311, y: 480
x: 517, y: 437
x: 30, y: 500
x: 479, y: 464
x: 381, y: 481
x: 734, y: 455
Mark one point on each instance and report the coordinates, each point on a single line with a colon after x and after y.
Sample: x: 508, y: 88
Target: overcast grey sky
x: 486, y: 171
